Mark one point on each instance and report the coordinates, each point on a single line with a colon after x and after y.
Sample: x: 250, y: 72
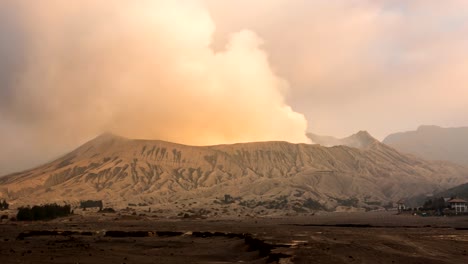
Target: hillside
x: 460, y: 191
x: 261, y: 175
x: 433, y: 143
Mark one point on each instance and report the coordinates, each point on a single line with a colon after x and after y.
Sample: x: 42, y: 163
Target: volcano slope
x: 261, y: 176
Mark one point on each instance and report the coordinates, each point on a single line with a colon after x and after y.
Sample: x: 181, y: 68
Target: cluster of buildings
x: 459, y: 206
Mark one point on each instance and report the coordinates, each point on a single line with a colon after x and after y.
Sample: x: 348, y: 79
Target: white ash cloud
x: 140, y: 69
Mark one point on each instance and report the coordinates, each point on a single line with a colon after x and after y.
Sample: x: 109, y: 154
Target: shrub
x: 43, y: 212
x: 376, y: 203
x: 228, y: 199
x: 351, y: 202
x: 437, y: 204
x: 4, y: 205
x: 312, y: 204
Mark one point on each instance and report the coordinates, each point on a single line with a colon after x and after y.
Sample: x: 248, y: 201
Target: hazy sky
x: 223, y: 71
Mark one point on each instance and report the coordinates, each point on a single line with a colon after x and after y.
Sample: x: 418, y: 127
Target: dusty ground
x: 330, y: 238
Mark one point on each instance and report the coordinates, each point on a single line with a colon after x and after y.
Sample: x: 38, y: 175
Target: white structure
x: 459, y: 205
x: 401, y: 205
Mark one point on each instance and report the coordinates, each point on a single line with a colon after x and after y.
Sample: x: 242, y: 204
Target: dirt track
x: 331, y: 238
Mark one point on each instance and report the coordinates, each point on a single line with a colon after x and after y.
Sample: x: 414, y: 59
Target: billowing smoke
x: 141, y: 69
x: 379, y: 65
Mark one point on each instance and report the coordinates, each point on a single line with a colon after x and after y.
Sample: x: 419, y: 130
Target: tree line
x: 43, y: 212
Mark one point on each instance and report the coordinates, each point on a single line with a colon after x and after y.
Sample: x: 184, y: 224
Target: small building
x: 401, y: 206
x: 459, y: 205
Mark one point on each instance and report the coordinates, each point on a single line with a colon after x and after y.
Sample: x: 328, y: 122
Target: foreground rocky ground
x: 379, y: 237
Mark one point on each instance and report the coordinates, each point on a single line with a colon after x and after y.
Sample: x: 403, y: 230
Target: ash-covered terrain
x: 239, y: 179
x: 373, y: 237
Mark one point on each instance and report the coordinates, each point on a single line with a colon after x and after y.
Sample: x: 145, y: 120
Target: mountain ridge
x: 122, y: 170
x: 433, y: 143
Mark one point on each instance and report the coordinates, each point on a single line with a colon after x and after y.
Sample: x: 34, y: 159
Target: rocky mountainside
x: 257, y: 176
x: 433, y: 143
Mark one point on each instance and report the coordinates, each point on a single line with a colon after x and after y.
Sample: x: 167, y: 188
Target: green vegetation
x: 192, y: 213
x: 43, y: 212
x: 460, y: 191
x: 312, y: 204
x: 228, y: 199
x: 437, y: 204
x: 376, y: 203
x: 278, y: 203
x: 351, y: 202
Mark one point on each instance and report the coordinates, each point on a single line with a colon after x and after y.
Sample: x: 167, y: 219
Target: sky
x: 208, y: 72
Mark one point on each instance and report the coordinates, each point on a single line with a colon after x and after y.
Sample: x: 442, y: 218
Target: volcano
x: 271, y: 175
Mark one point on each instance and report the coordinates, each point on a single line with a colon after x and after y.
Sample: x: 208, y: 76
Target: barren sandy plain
x: 373, y: 237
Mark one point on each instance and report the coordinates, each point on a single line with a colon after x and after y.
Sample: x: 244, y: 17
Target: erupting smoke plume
x: 140, y: 69
x: 211, y: 71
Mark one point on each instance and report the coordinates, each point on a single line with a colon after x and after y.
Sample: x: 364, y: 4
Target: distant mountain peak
x: 107, y: 135
x: 360, y: 140
x: 363, y: 134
